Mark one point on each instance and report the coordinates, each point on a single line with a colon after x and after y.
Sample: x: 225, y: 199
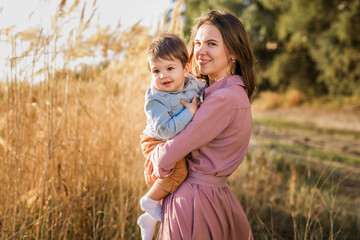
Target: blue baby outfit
x: 166, y: 116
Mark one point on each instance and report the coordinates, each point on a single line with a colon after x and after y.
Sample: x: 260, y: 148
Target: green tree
x: 194, y: 9
x: 311, y: 45
x: 336, y: 51
x: 319, y: 39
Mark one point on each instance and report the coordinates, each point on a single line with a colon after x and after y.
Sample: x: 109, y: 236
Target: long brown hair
x: 236, y: 41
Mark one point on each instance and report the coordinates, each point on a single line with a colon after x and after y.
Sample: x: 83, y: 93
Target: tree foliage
x: 310, y: 45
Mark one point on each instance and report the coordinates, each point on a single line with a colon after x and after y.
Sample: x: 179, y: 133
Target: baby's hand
x: 191, y: 106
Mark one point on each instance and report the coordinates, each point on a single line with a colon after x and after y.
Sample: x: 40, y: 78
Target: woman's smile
x: 203, y: 62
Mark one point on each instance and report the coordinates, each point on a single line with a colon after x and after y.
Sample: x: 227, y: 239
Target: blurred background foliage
x: 309, y: 45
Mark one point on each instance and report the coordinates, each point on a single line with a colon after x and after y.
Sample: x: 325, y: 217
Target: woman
x: 204, y: 207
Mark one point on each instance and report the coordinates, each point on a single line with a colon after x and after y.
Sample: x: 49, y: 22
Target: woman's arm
x: 210, y: 120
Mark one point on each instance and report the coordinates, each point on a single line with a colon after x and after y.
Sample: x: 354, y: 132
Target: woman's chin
x: 203, y: 72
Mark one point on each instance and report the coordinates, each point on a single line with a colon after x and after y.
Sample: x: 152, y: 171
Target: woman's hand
x: 148, y: 173
x: 193, y: 106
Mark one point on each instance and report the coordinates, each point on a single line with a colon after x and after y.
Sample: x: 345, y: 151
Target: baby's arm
x: 165, y: 125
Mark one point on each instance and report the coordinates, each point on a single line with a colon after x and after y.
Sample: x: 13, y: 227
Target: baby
x: 166, y: 116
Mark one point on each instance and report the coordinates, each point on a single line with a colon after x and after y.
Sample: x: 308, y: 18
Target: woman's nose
x: 200, y: 49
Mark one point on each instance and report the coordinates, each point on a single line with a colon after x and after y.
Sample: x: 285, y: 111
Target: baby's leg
x: 163, y: 187
x: 156, y: 192
x: 151, y: 201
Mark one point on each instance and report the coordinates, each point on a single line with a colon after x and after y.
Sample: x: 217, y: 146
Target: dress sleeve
x: 165, y: 125
x: 209, y: 121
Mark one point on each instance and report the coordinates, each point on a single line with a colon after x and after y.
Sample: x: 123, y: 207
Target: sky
x: 16, y: 12
x: 30, y: 13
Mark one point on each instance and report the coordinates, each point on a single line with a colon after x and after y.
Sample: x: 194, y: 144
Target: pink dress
x: 204, y: 207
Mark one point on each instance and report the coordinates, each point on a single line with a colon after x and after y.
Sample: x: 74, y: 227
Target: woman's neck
x: 215, y: 79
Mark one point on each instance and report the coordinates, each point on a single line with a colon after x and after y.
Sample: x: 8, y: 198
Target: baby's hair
x: 169, y: 46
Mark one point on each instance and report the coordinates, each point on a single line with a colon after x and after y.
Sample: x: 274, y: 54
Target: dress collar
x: 225, y: 82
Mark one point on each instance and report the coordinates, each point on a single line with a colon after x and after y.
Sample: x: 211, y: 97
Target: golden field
x: 70, y: 159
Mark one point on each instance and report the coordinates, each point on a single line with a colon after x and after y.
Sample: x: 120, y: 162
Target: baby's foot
x: 147, y: 224
x: 153, y: 207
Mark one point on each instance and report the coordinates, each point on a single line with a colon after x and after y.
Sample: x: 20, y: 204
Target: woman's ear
x: 232, y: 65
x: 232, y: 58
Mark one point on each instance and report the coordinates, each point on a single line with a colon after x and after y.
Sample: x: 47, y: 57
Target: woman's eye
x: 197, y: 43
x: 212, y: 44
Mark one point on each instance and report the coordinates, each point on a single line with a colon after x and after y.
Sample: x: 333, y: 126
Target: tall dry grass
x: 284, y: 200
x: 70, y: 161
x: 70, y: 165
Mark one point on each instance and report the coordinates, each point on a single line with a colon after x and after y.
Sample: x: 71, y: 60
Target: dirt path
x: 311, y: 136
x: 333, y: 143
x: 341, y: 119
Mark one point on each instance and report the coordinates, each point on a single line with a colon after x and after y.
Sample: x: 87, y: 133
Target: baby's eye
x: 156, y: 71
x: 170, y: 68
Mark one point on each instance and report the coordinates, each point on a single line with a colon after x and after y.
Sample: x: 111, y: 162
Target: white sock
x: 153, y: 207
x: 147, y: 225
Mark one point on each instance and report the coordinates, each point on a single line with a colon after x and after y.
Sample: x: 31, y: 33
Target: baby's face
x: 168, y: 75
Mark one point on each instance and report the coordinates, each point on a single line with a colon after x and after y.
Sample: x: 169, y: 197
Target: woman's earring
x: 233, y: 61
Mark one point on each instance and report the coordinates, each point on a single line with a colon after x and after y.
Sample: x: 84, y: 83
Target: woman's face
x: 211, y: 54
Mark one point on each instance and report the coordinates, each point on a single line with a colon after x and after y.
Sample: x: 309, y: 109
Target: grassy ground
x: 324, y: 143
x: 320, y: 166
